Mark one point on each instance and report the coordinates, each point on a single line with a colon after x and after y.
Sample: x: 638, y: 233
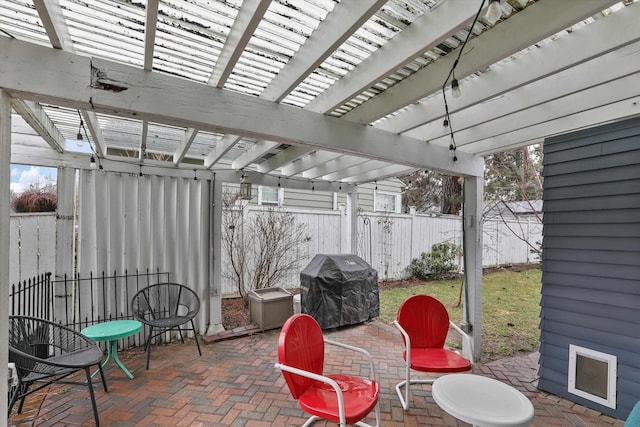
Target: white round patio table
x: 482, y: 401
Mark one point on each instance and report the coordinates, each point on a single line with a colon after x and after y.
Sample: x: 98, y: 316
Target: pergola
x: 307, y: 92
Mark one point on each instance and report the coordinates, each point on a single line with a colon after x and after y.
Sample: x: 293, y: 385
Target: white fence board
x: 32, y: 245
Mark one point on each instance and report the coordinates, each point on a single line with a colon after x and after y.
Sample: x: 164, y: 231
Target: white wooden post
x: 472, y: 222
x: 5, y: 181
x: 352, y: 221
x: 215, y: 283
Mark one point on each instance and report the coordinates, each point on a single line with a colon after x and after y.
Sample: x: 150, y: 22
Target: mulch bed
x: 235, y: 313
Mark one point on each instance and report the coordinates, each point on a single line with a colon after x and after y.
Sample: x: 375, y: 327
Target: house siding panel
x: 591, y: 256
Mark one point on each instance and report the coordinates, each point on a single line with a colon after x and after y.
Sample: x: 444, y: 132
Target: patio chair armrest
x: 320, y: 378
x: 407, y: 340
x: 357, y: 350
x: 465, y: 338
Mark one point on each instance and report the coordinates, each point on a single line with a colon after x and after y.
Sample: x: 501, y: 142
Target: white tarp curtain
x: 129, y: 222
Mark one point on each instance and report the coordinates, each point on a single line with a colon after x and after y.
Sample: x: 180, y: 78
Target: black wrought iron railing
x: 32, y: 297
x: 78, y: 302
x: 83, y: 301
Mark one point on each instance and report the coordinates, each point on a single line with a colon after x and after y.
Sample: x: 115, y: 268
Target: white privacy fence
x: 32, y: 245
x: 388, y: 242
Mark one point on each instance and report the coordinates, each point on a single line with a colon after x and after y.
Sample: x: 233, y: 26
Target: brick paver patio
x: 234, y: 384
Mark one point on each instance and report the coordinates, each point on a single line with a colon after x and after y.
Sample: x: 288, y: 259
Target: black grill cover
x: 339, y: 290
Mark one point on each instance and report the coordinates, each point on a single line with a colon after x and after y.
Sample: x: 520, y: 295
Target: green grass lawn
x: 510, y: 309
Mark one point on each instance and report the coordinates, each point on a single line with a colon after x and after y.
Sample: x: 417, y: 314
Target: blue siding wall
x: 591, y: 256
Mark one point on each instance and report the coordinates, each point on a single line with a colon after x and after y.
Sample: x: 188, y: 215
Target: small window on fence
x: 270, y: 195
x: 386, y: 202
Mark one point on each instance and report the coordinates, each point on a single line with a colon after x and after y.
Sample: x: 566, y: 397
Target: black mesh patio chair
x: 164, y: 307
x: 45, y: 352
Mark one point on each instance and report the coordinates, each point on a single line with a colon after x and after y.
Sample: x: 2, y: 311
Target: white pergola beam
x: 123, y: 90
x: 184, y: 145
x: 332, y: 166
x: 541, y: 19
x: 380, y: 174
x: 222, y: 148
x: 340, y: 24
x: 307, y: 162
x: 537, y: 133
x: 355, y: 170
x: 587, y: 43
x: 423, y: 34
x: 282, y: 158
x: 258, y: 150
x: 37, y: 118
x: 91, y: 122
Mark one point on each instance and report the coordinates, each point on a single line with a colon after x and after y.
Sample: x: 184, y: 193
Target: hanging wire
x: 93, y: 150
x: 447, y: 120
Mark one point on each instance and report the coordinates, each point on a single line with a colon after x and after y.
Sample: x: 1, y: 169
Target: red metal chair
x: 424, y: 324
x: 339, y: 398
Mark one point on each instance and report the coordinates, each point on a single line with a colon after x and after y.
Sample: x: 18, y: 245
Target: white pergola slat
x: 333, y: 166
x: 283, y: 158
x: 51, y: 15
x: 345, y: 19
x: 310, y: 161
x: 422, y: 35
x: 537, y: 133
x: 603, y: 69
x: 37, y: 118
x: 542, y: 19
x: 576, y: 103
x: 582, y: 45
x: 150, y: 33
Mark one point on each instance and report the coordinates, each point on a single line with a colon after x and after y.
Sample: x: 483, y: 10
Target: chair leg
x: 195, y: 335
x: 19, y: 390
x: 311, y: 420
x: 23, y: 393
x: 404, y: 400
x: 93, y: 397
x: 180, y: 333
x: 104, y: 382
x: 148, y: 346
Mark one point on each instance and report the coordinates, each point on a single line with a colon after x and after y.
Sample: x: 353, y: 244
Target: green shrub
x: 436, y: 264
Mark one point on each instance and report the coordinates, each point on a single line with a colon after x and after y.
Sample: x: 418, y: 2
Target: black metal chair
x: 164, y: 307
x: 45, y: 352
